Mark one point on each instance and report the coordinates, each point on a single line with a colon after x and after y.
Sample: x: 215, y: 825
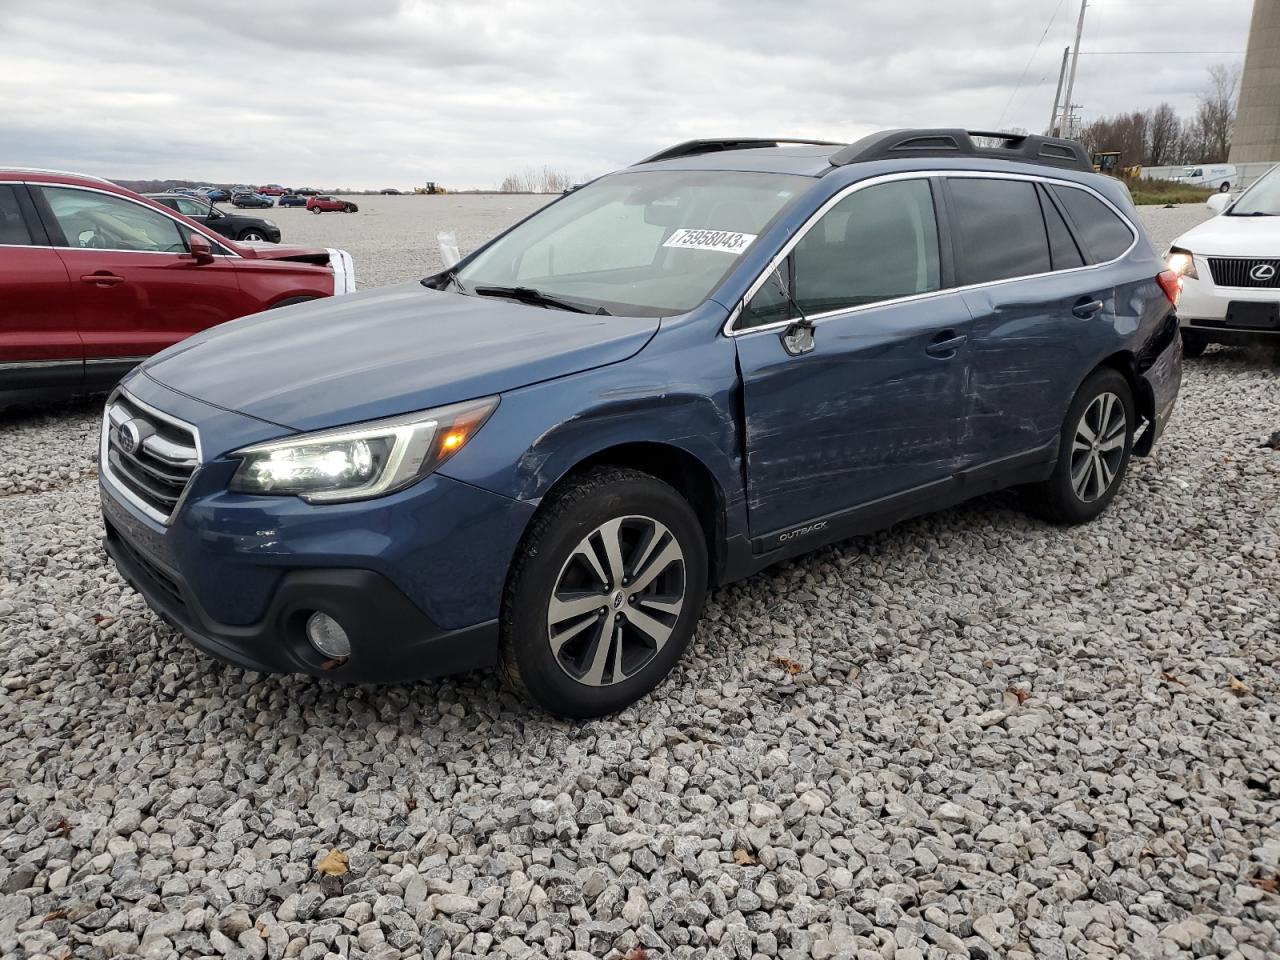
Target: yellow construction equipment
x: 431, y: 189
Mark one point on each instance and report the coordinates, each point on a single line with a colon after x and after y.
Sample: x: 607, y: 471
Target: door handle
x: 1085, y: 309
x: 945, y: 344
x: 102, y: 278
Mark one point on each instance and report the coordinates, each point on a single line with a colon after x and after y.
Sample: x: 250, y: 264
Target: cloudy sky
x: 394, y: 92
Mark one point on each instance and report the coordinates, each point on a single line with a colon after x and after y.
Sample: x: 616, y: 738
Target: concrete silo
x: 1256, y: 135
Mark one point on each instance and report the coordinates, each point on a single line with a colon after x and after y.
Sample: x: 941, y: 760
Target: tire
x: 1193, y: 344
x: 1225, y: 188
x: 251, y: 234
x: 350, y: 208
x: 315, y: 210
x: 565, y: 552
x: 1062, y: 498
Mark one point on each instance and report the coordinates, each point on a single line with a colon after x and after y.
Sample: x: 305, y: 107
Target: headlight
x: 269, y: 223
x: 366, y: 460
x: 1181, y: 262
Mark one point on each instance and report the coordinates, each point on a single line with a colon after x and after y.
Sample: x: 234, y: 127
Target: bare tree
x: 1163, y: 130
x: 1217, y: 111
x: 545, y: 180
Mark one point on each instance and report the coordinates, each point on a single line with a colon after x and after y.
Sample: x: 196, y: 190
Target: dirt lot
x: 971, y: 735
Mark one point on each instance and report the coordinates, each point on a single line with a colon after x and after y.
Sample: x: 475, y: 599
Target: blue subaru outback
x: 668, y: 379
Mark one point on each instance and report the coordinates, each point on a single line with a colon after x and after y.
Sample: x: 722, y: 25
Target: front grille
x: 158, y: 577
x: 1237, y: 272
x: 152, y: 459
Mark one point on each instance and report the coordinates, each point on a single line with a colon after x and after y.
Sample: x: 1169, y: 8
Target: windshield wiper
x: 538, y: 298
x: 1252, y: 213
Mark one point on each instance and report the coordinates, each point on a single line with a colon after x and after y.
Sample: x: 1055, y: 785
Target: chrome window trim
x: 728, y: 328
x: 36, y: 364
x: 118, y: 488
x: 159, y: 208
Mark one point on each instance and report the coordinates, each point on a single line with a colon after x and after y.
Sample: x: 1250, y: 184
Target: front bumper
x: 391, y: 639
x: 1202, y: 306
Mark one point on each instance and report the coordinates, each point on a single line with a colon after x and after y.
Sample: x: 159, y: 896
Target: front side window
x: 644, y: 243
x: 103, y: 221
x: 1104, y: 235
x: 13, y: 228
x: 1260, y: 200
x: 998, y: 229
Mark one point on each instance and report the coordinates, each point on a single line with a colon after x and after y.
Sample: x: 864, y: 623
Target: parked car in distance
x: 95, y: 278
x: 390, y: 192
x: 307, y: 191
x: 292, y: 200
x: 272, y: 190
x: 726, y: 355
x: 1217, y: 176
x: 1230, y: 270
x: 327, y: 204
x: 233, y: 225
x: 251, y: 200
x: 218, y: 195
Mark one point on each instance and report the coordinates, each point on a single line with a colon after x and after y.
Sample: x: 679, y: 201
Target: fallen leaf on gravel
x: 333, y: 864
x: 1238, y: 687
x: 101, y: 619
x: 1022, y: 695
x: 744, y: 858
x: 637, y: 953
x: 1170, y: 678
x: 55, y: 915
x: 1269, y: 884
x: 788, y: 665
x: 63, y: 829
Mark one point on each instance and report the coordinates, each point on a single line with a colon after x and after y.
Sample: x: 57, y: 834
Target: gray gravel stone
x: 1002, y: 733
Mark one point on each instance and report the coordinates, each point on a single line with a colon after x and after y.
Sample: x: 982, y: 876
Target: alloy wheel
x: 616, y: 600
x: 1098, y: 448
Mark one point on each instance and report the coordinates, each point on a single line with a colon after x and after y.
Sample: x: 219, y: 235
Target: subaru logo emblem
x: 1263, y: 272
x: 129, y: 436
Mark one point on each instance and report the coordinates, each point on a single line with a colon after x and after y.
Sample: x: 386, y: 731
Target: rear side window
x: 1062, y: 246
x: 1104, y: 235
x: 13, y: 229
x: 999, y: 230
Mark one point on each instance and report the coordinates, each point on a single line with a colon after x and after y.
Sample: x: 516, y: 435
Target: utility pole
x: 1075, y: 53
x: 1057, y: 94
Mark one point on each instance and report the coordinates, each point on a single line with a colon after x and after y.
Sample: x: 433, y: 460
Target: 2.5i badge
x: 725, y: 241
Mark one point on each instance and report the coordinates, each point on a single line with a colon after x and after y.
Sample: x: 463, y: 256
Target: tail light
x: 1171, y: 283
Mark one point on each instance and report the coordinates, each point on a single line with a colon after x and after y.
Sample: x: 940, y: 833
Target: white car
x: 1217, y: 176
x: 1230, y: 269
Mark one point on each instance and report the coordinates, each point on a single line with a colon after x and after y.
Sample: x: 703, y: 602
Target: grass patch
x: 1166, y: 191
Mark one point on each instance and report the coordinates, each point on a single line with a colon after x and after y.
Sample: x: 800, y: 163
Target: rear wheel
x: 315, y: 209
x: 1225, y: 188
x: 604, y: 594
x: 252, y: 234
x: 1193, y: 344
x: 1093, y: 451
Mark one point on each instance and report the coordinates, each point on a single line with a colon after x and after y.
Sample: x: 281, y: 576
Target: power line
x: 1156, y: 53
x: 1027, y: 66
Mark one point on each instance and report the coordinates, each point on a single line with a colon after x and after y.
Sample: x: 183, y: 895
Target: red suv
x: 94, y: 278
x: 322, y: 204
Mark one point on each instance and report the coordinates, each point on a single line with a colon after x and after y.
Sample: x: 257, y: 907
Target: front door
x: 868, y: 411
x: 136, y: 288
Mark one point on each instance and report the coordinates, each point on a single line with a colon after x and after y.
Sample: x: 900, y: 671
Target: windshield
x: 1262, y: 199
x: 649, y: 243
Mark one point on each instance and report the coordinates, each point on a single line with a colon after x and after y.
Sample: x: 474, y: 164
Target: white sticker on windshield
x: 726, y: 241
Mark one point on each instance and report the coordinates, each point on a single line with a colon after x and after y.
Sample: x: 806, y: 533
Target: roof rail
x: 60, y: 173
x: 692, y: 148
x: 1023, y: 147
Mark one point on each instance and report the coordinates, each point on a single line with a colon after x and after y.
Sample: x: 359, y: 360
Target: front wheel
x: 1093, y: 451
x: 604, y: 594
x: 1225, y: 188
x: 250, y: 235
x: 315, y: 209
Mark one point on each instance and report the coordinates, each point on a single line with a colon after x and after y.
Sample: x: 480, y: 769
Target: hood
x: 1227, y: 236
x: 384, y: 352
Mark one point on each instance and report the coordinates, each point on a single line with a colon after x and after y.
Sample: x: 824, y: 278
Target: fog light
x: 327, y: 636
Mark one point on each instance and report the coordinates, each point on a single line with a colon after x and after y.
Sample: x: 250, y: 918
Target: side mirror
x: 1218, y: 202
x: 200, y: 249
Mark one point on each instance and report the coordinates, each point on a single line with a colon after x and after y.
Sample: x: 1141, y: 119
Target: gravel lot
x: 972, y: 735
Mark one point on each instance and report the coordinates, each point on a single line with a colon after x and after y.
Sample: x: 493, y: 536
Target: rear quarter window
x: 1104, y: 235
x: 999, y: 231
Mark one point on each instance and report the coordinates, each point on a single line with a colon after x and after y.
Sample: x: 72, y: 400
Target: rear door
x: 39, y: 343
x: 135, y: 287
x: 1032, y: 303
x: 871, y: 409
